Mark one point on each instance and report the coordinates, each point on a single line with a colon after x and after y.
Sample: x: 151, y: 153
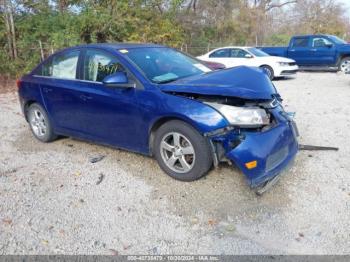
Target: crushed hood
x: 243, y: 82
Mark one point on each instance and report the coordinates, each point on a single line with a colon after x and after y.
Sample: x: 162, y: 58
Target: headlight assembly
x: 246, y: 117
x: 283, y: 63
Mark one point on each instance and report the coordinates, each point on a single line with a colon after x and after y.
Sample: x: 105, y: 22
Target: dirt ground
x: 7, y: 84
x: 53, y: 200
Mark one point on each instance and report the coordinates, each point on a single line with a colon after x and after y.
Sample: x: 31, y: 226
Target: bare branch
x: 272, y: 6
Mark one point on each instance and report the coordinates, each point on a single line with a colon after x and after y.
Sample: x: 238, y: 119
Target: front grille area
x: 289, y: 72
x: 276, y: 158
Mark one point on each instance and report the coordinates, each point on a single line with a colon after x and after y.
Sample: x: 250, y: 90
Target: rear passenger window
x: 65, y: 65
x: 301, y: 42
x: 46, y: 68
x: 98, y: 65
x: 62, y: 65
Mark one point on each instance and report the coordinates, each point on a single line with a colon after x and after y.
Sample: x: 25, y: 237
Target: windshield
x: 163, y: 65
x: 337, y: 40
x: 257, y: 52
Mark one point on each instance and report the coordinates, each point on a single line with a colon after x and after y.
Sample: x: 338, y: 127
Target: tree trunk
x: 7, y: 25
x: 10, y: 27
x: 62, y: 5
x: 13, y: 32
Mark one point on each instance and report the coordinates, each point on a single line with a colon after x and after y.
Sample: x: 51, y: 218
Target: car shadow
x: 284, y: 78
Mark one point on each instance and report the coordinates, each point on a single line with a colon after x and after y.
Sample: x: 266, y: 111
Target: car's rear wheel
x: 40, y: 123
x: 344, y: 65
x: 181, y: 151
x: 268, y: 70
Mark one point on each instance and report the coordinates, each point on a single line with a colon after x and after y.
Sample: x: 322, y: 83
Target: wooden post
x: 41, y: 51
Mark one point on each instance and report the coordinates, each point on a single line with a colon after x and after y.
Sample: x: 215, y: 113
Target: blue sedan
x: 157, y: 101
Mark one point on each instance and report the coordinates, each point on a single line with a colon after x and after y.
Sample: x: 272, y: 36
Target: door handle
x: 313, y: 50
x: 85, y: 97
x: 292, y: 50
x: 47, y: 90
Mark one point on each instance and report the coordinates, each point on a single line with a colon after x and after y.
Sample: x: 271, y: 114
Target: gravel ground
x: 51, y: 201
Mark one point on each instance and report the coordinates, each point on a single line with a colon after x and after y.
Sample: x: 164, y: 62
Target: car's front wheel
x: 181, y: 151
x: 344, y: 65
x: 40, y: 123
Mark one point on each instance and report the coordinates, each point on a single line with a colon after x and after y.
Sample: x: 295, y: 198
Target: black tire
x: 46, y: 136
x: 269, y: 71
x: 344, y: 65
x: 202, y: 152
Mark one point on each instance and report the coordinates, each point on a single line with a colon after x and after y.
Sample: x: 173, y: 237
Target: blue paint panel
x: 273, y: 150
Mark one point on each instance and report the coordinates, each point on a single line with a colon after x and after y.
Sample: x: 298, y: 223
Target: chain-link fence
x: 198, y: 50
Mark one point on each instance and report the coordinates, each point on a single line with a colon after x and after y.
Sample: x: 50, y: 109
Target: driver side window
x: 98, y: 65
x: 320, y: 42
x: 238, y: 53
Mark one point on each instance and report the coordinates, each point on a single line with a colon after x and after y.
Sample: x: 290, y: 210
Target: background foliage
x: 33, y: 29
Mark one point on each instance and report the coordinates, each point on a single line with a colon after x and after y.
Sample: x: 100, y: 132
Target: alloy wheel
x: 345, y: 66
x: 37, y: 122
x: 177, y: 152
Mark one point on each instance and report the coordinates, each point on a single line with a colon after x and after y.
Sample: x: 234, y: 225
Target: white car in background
x: 232, y: 56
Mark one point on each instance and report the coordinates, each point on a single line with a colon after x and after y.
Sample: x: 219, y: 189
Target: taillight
x: 18, y: 83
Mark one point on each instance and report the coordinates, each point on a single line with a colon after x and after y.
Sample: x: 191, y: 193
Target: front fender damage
x: 262, y: 153
x: 222, y: 140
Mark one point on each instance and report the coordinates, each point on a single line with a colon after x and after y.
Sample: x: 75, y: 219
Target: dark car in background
x: 214, y: 65
x: 315, y: 51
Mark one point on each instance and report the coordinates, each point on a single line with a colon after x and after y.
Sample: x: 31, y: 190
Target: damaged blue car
x: 157, y: 101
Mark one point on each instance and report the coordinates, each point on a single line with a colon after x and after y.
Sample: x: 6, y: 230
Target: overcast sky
x: 346, y: 5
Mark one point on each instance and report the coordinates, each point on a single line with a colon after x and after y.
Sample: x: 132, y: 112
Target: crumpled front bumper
x: 273, y: 150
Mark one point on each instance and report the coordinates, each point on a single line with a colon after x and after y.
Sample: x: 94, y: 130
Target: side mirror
x: 329, y: 45
x: 118, y: 79
x: 248, y: 56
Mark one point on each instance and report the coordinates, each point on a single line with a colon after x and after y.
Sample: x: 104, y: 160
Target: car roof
x: 225, y: 47
x: 242, y: 47
x: 296, y: 36
x: 116, y: 46
x: 123, y: 45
